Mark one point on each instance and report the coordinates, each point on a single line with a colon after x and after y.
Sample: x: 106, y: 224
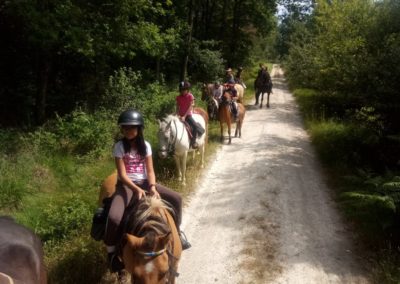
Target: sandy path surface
x: 262, y: 212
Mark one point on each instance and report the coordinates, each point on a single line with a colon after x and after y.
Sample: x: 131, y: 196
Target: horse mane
x: 147, y: 216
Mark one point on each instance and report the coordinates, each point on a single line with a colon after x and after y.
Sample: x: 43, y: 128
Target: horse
x: 212, y: 103
x: 21, y: 254
x: 173, y: 138
x: 262, y: 85
x: 151, y: 244
x: 150, y: 247
x: 225, y: 116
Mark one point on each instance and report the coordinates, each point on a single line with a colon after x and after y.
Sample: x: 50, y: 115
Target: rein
x: 171, y: 145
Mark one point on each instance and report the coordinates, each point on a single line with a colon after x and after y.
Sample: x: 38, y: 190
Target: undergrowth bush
x: 341, y: 144
x: 62, y: 219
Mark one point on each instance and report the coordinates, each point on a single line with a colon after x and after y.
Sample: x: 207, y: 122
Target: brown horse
x: 151, y: 247
x: 225, y: 116
x: 212, y: 103
x: 21, y: 254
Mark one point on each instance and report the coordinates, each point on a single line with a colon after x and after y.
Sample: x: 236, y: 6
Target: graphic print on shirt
x: 134, y: 164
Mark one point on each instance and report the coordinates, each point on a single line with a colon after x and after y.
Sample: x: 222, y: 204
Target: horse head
x: 206, y: 92
x: 225, y: 98
x: 150, y: 252
x: 164, y: 137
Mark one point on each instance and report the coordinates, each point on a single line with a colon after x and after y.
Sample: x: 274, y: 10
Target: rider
x: 229, y: 87
x: 184, y: 109
x: 217, y: 90
x: 136, y: 179
x: 228, y: 75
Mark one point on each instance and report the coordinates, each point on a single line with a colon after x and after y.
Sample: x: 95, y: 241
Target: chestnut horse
x: 225, y: 116
x: 151, y: 247
x: 21, y: 254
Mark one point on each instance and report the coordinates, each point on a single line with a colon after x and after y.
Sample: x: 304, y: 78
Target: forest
x: 68, y: 68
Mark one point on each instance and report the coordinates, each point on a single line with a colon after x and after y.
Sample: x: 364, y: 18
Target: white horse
x: 174, y: 139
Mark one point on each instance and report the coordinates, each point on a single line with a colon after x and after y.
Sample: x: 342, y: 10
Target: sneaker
x: 184, y: 241
x: 114, y: 263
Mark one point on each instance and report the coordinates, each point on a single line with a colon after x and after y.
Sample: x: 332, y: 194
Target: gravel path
x: 262, y: 212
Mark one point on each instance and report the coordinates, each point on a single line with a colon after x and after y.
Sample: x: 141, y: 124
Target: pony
x: 173, y: 138
x: 212, y: 103
x: 21, y: 254
x: 225, y: 116
x: 150, y: 247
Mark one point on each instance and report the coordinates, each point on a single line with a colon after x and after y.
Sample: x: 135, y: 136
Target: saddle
x: 200, y: 130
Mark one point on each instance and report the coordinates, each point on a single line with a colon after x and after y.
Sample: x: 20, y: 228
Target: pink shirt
x: 184, y: 103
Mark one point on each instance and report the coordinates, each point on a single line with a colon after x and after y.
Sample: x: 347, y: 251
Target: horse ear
x: 133, y: 241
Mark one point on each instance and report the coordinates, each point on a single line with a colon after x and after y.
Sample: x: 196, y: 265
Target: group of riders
x: 134, y: 163
x: 185, y: 101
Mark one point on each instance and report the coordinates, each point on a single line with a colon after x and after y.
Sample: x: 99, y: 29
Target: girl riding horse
x: 136, y: 179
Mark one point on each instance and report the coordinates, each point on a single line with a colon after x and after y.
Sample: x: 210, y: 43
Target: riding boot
x: 235, y: 111
x: 194, y: 144
x: 114, y: 263
x: 184, y: 241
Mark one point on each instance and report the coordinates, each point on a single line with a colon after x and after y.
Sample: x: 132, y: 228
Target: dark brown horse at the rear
x: 225, y: 116
x: 21, y: 254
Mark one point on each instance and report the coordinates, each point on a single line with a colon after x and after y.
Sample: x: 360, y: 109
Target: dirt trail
x: 262, y: 212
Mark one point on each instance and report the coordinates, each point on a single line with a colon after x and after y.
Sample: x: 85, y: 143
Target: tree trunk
x: 188, y: 40
x: 42, y: 86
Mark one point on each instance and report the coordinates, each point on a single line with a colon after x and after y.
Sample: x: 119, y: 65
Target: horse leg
x: 202, y: 150
x: 183, y: 167
x: 268, y: 100
x: 229, y: 133
x: 178, y: 167
x: 257, y: 96
x: 222, y: 132
x: 238, y: 130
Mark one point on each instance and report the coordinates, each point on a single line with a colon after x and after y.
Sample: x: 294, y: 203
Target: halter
x: 151, y: 253
x: 172, y: 139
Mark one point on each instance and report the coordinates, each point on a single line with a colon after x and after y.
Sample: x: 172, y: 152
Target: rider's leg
x: 176, y: 201
x: 235, y: 110
x: 121, y: 199
x: 193, y: 125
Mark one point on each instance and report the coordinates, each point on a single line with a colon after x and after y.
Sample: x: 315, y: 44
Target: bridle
x: 167, y: 249
x: 171, y: 141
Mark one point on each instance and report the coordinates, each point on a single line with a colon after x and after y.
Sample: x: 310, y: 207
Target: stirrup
x: 184, y: 241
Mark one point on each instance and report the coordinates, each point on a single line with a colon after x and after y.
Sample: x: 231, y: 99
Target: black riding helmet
x: 184, y: 85
x: 131, y: 117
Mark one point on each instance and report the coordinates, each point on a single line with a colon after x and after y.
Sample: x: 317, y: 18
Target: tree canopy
x: 59, y: 54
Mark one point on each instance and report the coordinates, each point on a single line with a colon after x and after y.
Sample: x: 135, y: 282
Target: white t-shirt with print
x: 135, y: 164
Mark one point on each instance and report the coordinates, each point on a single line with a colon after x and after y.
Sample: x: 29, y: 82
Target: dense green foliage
x: 57, y: 55
x: 342, y: 60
